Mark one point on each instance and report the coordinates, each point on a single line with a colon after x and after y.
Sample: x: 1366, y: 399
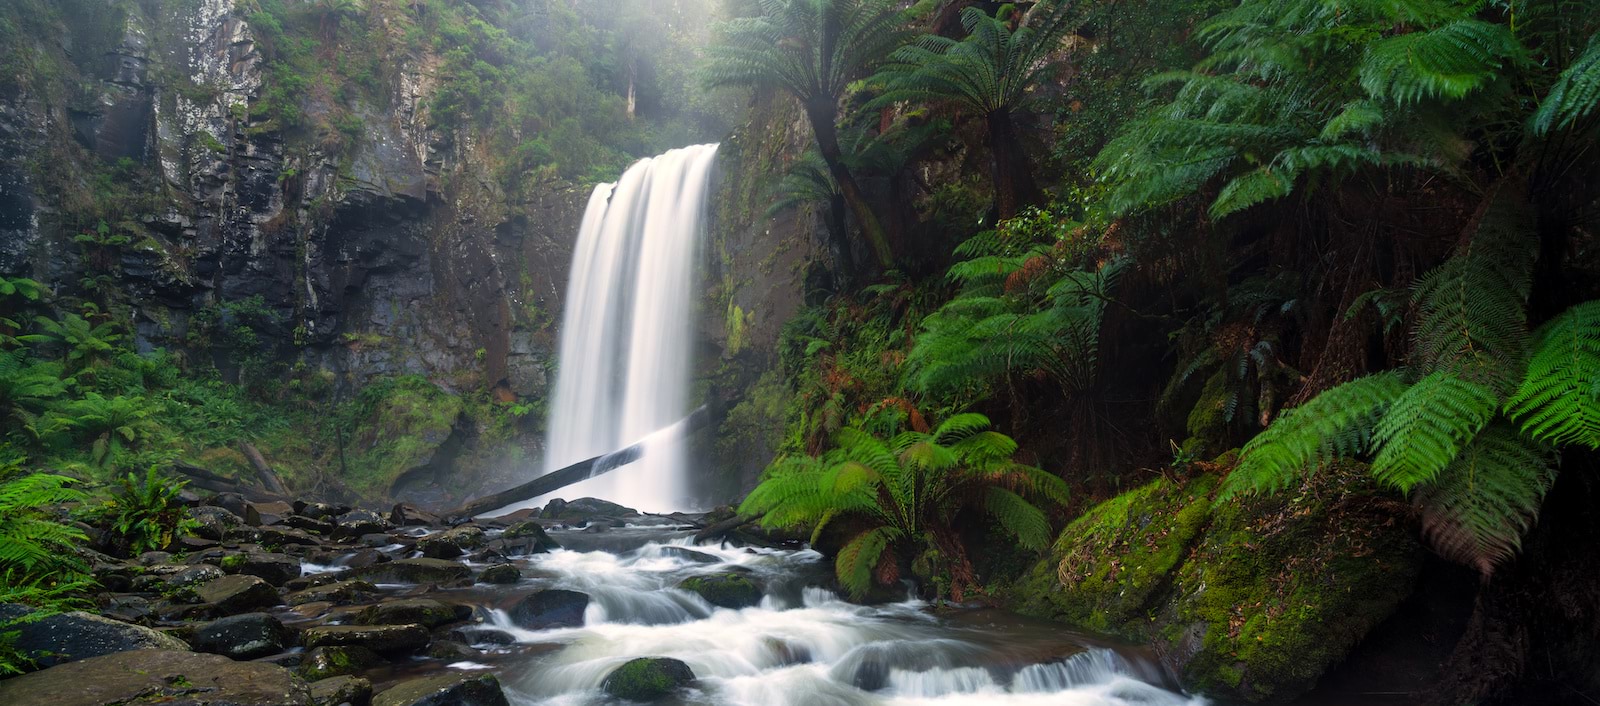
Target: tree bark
x: 269, y: 478
x: 1014, y: 186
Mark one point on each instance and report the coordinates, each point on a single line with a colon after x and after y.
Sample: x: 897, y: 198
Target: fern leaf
x: 1450, y: 61
x: 1477, y: 510
x: 1426, y: 427
x: 1555, y: 403
x: 1575, y: 94
x: 856, y: 560
x: 1335, y: 424
x: 1018, y: 516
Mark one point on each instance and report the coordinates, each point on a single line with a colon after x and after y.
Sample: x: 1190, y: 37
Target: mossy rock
x: 337, y: 660
x: 724, y: 590
x: 1112, y: 564
x: 1280, y: 589
x: 647, y: 678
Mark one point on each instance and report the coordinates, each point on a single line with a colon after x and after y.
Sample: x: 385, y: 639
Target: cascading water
x: 624, y: 357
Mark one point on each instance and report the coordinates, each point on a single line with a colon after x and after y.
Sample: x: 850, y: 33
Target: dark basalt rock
x: 158, y: 676
x: 383, y: 639
x: 647, y: 679
x: 237, y: 594
x: 501, y: 574
x: 551, y: 608
x: 214, y: 521
x: 728, y: 590
x: 408, y: 515
x: 337, y: 660
x: 524, y: 538
x: 276, y: 569
x: 688, y: 554
x: 446, y: 690
x: 319, y: 510
x: 359, y: 522
x: 584, y: 509
x: 335, y: 691
x: 434, y: 571
x: 451, y: 543
x: 423, y: 611
x: 245, y: 636
x: 66, y: 637
x: 339, y: 592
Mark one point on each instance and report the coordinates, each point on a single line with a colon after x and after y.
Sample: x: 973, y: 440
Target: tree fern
x: 857, y: 559
x: 1019, y: 517
x: 36, y: 549
x: 1449, y: 61
x: 1426, y: 426
x: 1573, y: 98
x: 1481, y: 504
x: 1337, y: 423
x: 1556, y: 401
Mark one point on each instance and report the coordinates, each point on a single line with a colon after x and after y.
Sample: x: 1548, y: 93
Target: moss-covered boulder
x: 446, y: 690
x: 337, y: 660
x: 426, y: 612
x: 724, y: 590
x: 1249, y: 600
x: 1113, y: 563
x: 647, y: 678
x: 1280, y: 589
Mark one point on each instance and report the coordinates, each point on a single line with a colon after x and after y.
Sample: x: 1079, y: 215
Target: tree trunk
x: 269, y: 478
x: 1014, y: 186
x: 827, y: 135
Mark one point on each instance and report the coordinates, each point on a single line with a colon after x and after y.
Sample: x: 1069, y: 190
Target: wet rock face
x: 447, y: 690
x: 68, y: 637
x: 724, y: 590
x: 154, y: 676
x: 551, y: 608
x: 246, y: 636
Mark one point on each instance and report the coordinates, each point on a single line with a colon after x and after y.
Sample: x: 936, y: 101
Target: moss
x: 647, y: 678
x: 724, y: 590
x: 1280, y: 589
x: 1110, y: 564
x: 232, y: 563
x: 399, y: 425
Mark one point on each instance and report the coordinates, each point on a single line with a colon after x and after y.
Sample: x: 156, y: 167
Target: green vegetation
x: 145, y: 515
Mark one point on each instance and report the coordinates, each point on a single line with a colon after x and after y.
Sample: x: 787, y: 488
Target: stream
x: 802, y: 645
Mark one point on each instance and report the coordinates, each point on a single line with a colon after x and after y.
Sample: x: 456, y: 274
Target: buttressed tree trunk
x: 1014, y: 187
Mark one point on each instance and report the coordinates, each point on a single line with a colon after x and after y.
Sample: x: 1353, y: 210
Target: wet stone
x: 447, y: 690
x: 551, y: 608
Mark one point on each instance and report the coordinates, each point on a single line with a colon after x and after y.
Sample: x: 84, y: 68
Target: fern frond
x: 1450, y: 61
x: 1556, y: 402
x: 1018, y: 517
x: 1575, y: 94
x: 1427, y: 425
x: 1477, y: 510
x: 856, y: 560
x: 1335, y: 424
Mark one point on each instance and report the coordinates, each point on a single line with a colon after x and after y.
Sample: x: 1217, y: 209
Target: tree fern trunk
x: 1014, y: 186
x: 821, y: 117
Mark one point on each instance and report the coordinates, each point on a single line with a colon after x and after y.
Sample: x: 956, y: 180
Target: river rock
x: 319, y: 510
x: 434, y: 571
x: 245, y: 636
x: 550, y: 608
x: 446, y: 690
x: 237, y: 594
x: 500, y: 574
x: 158, y: 676
x: 66, y: 637
x: 647, y: 678
x: 335, y: 691
x: 584, y: 509
x: 234, y: 503
x: 259, y: 514
x: 408, y: 515
x: 337, y: 660
x: 524, y: 538
x: 451, y: 543
x: 274, y: 568
x: 688, y: 554
x: 383, y: 639
x: 338, y: 593
x: 359, y: 522
x: 724, y: 590
x: 214, y: 522
x: 423, y: 611
x: 192, y: 576
x: 1250, y: 600
x: 309, y: 524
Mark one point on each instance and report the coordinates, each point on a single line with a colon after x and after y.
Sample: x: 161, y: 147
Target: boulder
x: 688, y: 554
x: 1249, y: 600
x: 238, y: 594
x: 335, y: 691
x: 359, y: 522
x: 158, y: 676
x: 647, y: 678
x: 383, y: 639
x: 500, y: 574
x: 408, y: 515
x: 728, y: 590
x: 339, y: 593
x: 550, y: 608
x: 452, y: 543
x: 192, y: 576
x: 434, y: 571
x: 446, y: 690
x: 422, y: 611
x: 337, y: 660
x: 584, y: 509
x: 245, y: 636
x: 234, y: 503
x: 274, y: 568
x: 286, y: 537
x: 259, y: 514
x: 309, y: 524
x: 65, y: 637
x: 525, y: 538
x: 214, y: 522
x: 319, y: 511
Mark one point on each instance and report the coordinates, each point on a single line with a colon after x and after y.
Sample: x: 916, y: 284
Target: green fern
x: 1424, y: 429
x: 1481, y: 504
x: 36, y: 550
x: 1335, y: 424
x: 1449, y: 61
x: 1573, y: 98
x: 1556, y: 401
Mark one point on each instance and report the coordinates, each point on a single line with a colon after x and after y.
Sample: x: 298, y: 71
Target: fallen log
x: 720, y: 530
x: 269, y: 478
x: 558, y: 479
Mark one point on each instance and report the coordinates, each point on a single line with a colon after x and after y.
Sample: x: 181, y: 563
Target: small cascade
x: 625, y: 336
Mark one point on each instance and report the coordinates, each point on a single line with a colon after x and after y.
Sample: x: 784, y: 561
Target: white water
x: 801, y: 646
x: 624, y: 358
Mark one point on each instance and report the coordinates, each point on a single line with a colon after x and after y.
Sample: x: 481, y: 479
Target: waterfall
x: 625, y: 336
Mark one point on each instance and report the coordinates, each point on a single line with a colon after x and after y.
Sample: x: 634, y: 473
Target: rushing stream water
x: 801, y: 645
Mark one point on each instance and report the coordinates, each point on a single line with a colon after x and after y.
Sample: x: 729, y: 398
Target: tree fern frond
x: 856, y: 560
x: 1426, y: 426
x: 1335, y: 424
x: 1018, y: 516
x: 1477, y: 510
x: 1449, y: 61
x: 1575, y: 94
x: 1556, y: 402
